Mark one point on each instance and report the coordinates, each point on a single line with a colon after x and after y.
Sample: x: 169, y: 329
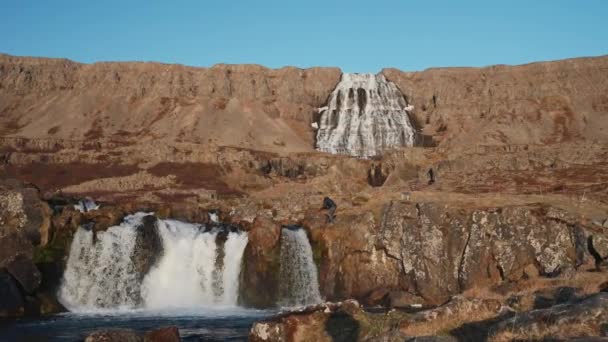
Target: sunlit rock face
x: 366, y: 115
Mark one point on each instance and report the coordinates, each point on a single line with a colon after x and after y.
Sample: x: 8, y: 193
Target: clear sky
x: 358, y: 36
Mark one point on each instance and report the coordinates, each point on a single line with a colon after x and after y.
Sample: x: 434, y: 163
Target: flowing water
x: 366, y: 115
x: 298, y: 285
x: 201, y: 325
x: 199, y: 268
x: 193, y: 283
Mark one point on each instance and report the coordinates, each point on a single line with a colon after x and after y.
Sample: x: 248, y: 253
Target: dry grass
x: 451, y: 316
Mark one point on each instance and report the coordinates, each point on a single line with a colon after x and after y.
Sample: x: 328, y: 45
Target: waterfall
x: 188, y: 273
x: 199, y: 267
x: 298, y: 285
x: 366, y: 114
x: 100, y: 274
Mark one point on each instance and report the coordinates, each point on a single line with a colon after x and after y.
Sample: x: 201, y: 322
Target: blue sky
x: 358, y: 36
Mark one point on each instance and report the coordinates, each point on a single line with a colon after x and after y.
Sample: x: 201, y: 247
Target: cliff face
x: 264, y: 109
x: 228, y: 105
x: 539, y: 103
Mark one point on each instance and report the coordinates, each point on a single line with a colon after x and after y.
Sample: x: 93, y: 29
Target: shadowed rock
x: 11, y: 300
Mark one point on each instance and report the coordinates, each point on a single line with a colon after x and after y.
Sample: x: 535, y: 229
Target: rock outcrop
x: 460, y: 319
x: 24, y: 219
x: 437, y: 251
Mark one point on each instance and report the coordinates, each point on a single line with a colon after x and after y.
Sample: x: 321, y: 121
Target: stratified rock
x: 525, y: 104
x: 581, y: 319
x: 169, y: 334
x: 114, y: 335
x: 11, y: 300
x: 25, y: 272
x: 278, y: 102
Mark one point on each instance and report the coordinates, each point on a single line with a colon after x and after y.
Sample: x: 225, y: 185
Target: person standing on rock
x: 431, y: 174
x: 331, y: 207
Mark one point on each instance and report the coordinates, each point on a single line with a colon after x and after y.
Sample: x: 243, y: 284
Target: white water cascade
x: 299, y: 285
x: 100, y: 274
x: 366, y: 115
x: 189, y: 273
x: 199, y: 268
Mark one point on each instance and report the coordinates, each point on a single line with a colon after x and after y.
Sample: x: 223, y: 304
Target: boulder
x: 402, y: 299
x: 114, y: 335
x: 11, y: 301
x: 168, y: 334
x: 25, y: 272
x: 22, y: 210
x: 324, y: 322
x: 377, y: 296
x: 260, y: 272
x: 14, y: 243
x: 104, y: 217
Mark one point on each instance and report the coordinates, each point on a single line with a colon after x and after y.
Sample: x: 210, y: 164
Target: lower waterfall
x: 199, y: 267
x: 299, y: 285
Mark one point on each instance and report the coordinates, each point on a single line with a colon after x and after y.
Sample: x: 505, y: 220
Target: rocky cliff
x: 255, y: 107
x: 506, y: 188
x: 226, y: 105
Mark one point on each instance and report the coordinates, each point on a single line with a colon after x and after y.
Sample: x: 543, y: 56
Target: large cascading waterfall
x: 299, y: 285
x: 199, y: 267
x: 366, y: 114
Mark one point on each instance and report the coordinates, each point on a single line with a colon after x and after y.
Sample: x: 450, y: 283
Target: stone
x: 377, y: 296
x: 11, y: 301
x: 531, y: 271
x: 401, y: 299
x: 114, y: 335
x: 168, y: 334
x: 104, y: 218
x: 25, y: 272
x: 22, y: 210
x: 260, y: 270
x: 600, y: 244
x: 14, y: 243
